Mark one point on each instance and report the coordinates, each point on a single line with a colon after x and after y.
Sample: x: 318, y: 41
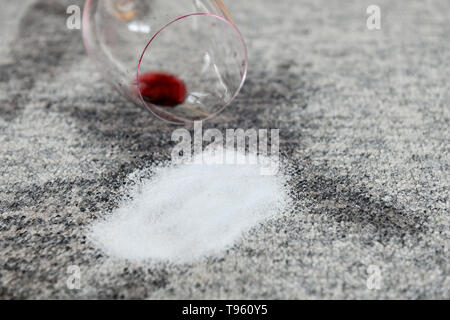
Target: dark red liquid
x: 162, y: 89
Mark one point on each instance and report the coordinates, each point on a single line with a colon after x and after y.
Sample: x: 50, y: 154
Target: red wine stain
x: 162, y: 89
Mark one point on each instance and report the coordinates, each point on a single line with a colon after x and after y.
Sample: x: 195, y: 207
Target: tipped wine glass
x: 183, y: 60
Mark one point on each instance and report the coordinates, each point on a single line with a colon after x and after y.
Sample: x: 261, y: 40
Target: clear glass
x: 183, y: 60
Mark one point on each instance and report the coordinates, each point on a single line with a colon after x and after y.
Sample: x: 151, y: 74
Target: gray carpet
x: 364, y: 118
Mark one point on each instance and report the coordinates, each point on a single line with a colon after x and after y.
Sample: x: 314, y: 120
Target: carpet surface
x: 364, y: 118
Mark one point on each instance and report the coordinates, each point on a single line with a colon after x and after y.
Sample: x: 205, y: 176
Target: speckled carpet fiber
x: 364, y: 118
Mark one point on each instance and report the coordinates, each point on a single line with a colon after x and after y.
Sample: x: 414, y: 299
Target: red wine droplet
x: 162, y: 89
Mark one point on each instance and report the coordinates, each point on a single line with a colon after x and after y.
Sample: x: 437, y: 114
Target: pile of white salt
x: 189, y: 211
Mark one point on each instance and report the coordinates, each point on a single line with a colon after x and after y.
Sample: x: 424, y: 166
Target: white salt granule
x: 189, y: 211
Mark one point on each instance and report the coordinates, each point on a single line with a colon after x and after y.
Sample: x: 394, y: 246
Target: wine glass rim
x: 243, y: 77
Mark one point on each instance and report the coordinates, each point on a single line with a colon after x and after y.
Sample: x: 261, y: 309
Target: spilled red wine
x: 162, y: 89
